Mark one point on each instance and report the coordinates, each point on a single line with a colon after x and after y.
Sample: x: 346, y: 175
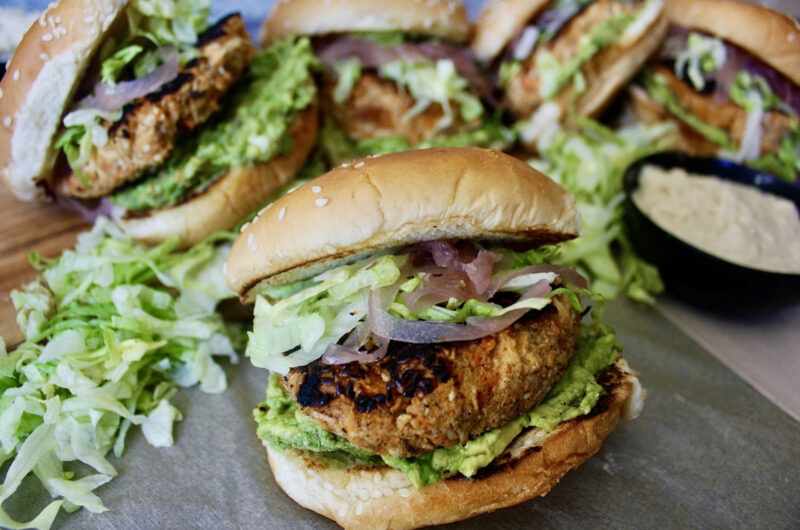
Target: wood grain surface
x: 28, y: 226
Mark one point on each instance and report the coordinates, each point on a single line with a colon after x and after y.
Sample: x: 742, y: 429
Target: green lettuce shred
x: 590, y: 163
x: 112, y: 329
x: 303, y: 318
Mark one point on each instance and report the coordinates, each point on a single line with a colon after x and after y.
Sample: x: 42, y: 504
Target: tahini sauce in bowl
x: 732, y: 221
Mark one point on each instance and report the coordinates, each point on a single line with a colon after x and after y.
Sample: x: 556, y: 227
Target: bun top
x: 769, y: 35
x: 396, y: 200
x: 39, y: 84
x: 436, y: 18
x: 498, y: 22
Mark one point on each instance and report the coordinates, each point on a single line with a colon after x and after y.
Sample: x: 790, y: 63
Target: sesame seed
x: 250, y: 240
x: 321, y: 202
x: 244, y: 227
x: 282, y: 214
x: 47, y: 37
x: 254, y: 248
x: 360, y: 164
x: 58, y: 19
x: 791, y: 37
x: 146, y: 148
x: 316, y: 189
x: 15, y: 75
x: 44, y: 57
x: 7, y: 121
x: 265, y: 208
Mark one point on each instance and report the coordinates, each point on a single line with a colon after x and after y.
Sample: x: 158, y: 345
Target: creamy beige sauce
x: 732, y: 221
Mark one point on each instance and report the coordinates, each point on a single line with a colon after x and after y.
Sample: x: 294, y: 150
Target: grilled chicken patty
x: 145, y: 136
x: 421, y: 397
x: 377, y: 109
x: 727, y: 116
x: 522, y: 94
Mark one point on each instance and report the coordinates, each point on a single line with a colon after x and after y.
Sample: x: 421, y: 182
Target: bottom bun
x: 383, y: 497
x: 231, y: 198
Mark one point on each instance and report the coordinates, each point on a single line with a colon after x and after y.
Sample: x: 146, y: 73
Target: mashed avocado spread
x: 250, y: 128
x: 284, y: 425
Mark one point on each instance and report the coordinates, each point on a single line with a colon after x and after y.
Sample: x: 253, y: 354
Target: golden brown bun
x: 395, y: 200
x: 436, y: 18
x: 770, y: 35
x: 530, y: 467
x: 40, y: 82
x: 231, y: 198
x: 497, y: 24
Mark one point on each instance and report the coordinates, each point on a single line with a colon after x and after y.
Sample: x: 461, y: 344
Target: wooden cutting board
x: 28, y: 226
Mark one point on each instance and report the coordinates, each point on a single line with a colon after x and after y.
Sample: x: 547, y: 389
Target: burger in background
x: 145, y: 112
x: 396, y: 75
x: 429, y: 363
x: 554, y: 59
x: 728, y: 74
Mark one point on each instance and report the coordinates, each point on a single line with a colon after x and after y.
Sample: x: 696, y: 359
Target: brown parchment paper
x: 707, y: 451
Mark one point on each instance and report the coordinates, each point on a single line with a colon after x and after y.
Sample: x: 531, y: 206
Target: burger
x: 553, y: 59
x: 428, y: 362
x: 146, y: 112
x: 396, y: 74
x: 729, y: 75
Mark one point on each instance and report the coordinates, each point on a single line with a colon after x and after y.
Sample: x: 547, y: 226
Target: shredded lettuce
x: 295, y: 323
x: 347, y: 73
x: 785, y: 163
x: 112, y: 328
x: 431, y: 83
x: 590, y: 163
x: 508, y: 71
x: 702, y: 55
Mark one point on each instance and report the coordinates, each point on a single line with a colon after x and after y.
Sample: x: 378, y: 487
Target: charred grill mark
x: 170, y: 87
x: 408, y: 370
x: 311, y: 393
x: 216, y: 31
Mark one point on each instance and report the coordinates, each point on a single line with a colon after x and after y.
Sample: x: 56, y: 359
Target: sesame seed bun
x: 436, y: 18
x: 40, y: 81
x: 396, y: 200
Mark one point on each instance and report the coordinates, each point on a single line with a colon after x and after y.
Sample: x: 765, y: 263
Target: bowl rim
x: 721, y: 168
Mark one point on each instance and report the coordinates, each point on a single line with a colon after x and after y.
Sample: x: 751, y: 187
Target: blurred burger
x: 552, y: 58
x: 396, y: 74
x: 144, y: 111
x: 728, y: 73
x: 429, y: 363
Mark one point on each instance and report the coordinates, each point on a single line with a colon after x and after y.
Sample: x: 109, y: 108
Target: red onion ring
x: 108, y: 98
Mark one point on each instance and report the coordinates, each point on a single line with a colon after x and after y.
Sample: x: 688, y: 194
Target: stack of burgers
x: 428, y: 360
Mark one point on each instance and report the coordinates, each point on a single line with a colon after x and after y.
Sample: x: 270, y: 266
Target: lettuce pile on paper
x: 112, y: 329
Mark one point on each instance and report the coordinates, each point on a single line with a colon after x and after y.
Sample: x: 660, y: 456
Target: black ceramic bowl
x: 694, y: 274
